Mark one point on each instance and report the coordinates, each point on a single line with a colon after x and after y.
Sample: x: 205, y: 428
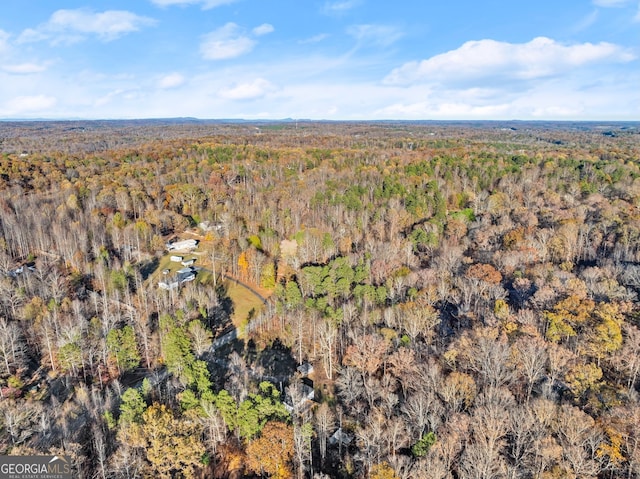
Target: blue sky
x: 320, y: 59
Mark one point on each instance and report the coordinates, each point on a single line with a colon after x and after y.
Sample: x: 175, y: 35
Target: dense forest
x: 430, y: 300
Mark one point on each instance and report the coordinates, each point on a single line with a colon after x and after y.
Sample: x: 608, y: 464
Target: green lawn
x: 244, y: 301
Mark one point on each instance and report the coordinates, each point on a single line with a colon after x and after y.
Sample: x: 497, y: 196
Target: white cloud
x: 262, y: 29
x: 382, y: 35
x: 340, y: 6
x: 31, y: 35
x: 30, y: 104
x: 70, y: 26
x: 114, y: 95
x: 172, y: 80
x: 4, y: 44
x: 499, y: 61
x: 556, y: 112
x: 316, y: 87
x: 206, y: 4
x: 312, y: 85
x: 24, y: 68
x: 586, y: 21
x: 447, y: 109
x: 314, y: 39
x: 248, y: 91
x: 228, y: 41
x: 619, y: 4
x: 576, y: 97
x: 610, y: 3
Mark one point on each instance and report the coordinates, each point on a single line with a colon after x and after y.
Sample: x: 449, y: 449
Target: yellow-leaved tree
x: 271, y: 453
x: 382, y: 471
x: 171, y: 445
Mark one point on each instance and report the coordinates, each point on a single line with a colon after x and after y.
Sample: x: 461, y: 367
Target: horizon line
x: 312, y: 120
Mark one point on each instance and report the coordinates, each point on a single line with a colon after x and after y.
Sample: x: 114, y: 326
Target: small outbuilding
x: 169, y: 283
x: 305, y: 369
x: 341, y: 437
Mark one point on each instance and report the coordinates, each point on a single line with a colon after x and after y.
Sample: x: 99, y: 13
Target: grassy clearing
x: 244, y: 302
x: 166, y: 263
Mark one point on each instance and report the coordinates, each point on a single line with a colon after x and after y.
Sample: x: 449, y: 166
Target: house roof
x: 305, y: 369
